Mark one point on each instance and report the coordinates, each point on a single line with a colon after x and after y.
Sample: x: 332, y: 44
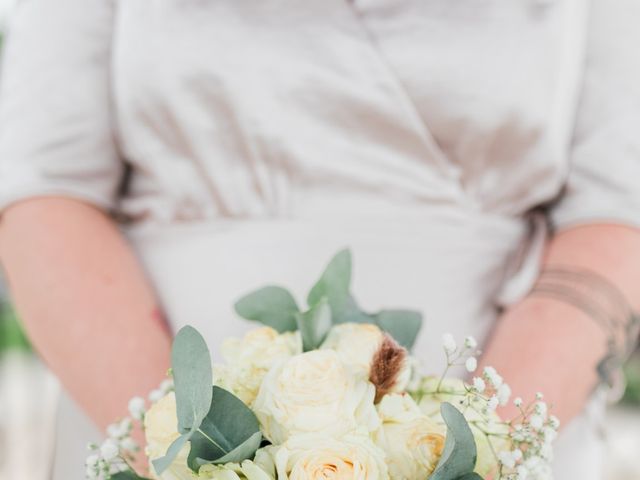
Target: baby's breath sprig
x: 521, y: 446
x: 532, y: 433
x: 458, y: 356
x: 118, y: 450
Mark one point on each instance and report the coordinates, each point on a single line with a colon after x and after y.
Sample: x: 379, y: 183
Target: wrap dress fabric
x: 244, y: 142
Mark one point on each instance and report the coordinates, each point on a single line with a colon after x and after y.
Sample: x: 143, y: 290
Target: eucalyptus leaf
x: 229, y: 430
x: 162, y: 463
x: 128, y: 475
x: 402, y: 325
x: 192, y: 376
x: 314, y: 325
x: 245, y: 450
x: 334, y: 283
x: 273, y: 306
x: 459, y: 455
x: 470, y: 476
x: 350, y: 312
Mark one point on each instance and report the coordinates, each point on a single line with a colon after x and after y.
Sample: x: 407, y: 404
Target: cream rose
x: 356, y: 343
x: 317, y: 457
x: 261, y: 468
x: 314, y: 392
x: 250, y: 358
x: 450, y: 391
x: 161, y: 429
x: 412, y: 441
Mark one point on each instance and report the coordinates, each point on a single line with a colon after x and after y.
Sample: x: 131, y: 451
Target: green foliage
x: 459, y: 455
x: 229, y: 433
x: 334, y: 284
x: 632, y: 374
x: 402, y: 325
x: 128, y: 475
x: 314, y: 325
x: 245, y: 450
x: 470, y: 476
x: 352, y: 313
x: 272, y: 306
x: 11, y: 333
x: 218, y: 425
x: 192, y: 376
x: 275, y: 307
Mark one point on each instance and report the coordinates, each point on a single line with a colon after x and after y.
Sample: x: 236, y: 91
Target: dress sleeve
x: 55, y: 124
x: 604, y: 178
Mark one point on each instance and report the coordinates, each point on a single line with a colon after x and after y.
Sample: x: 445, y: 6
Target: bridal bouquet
x: 327, y: 393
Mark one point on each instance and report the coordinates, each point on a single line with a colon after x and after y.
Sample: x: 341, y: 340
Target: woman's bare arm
x: 547, y: 344
x: 85, y: 302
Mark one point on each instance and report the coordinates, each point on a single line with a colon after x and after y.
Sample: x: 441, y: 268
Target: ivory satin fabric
x: 246, y: 141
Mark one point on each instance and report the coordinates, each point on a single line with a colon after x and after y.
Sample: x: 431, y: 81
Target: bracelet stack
x: 601, y: 301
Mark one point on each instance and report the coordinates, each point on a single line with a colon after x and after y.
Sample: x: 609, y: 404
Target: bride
x: 158, y: 159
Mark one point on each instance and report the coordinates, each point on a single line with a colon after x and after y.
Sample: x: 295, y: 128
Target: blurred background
x: 29, y: 394
x: 28, y: 401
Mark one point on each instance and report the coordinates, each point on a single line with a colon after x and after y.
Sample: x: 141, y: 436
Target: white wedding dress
x: 257, y: 138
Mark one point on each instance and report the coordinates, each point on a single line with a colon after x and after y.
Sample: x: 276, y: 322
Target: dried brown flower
x: 386, y: 366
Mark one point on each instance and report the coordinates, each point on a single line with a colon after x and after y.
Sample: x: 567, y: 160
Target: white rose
x: 161, y: 429
x: 412, y: 441
x: 317, y: 457
x: 261, y: 468
x: 357, y: 343
x: 314, y: 392
x: 249, y: 359
x: 450, y: 391
x: 215, y: 472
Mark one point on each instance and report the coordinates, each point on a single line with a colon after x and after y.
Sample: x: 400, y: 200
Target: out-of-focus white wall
x: 5, y: 9
x: 28, y: 401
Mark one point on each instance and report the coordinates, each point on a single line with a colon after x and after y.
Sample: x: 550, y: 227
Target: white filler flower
x: 137, y: 408
x: 471, y: 364
x: 449, y: 343
x: 451, y: 391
